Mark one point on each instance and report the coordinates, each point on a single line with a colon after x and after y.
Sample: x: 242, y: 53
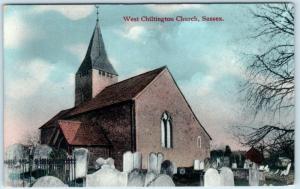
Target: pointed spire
x: 96, y: 57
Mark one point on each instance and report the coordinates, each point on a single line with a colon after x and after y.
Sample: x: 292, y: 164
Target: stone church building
x: 145, y: 113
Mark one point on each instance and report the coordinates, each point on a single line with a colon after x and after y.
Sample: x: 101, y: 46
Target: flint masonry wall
x: 163, y: 95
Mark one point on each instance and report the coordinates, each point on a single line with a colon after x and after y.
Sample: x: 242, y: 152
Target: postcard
x: 149, y: 94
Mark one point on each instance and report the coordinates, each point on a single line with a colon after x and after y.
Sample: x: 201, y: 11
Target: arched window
x: 166, y: 130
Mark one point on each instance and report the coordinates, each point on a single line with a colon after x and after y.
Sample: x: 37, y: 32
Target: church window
x: 199, y: 142
x: 166, y: 130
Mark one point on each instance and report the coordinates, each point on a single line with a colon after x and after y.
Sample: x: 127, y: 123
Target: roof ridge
x: 73, y: 121
x: 135, y: 76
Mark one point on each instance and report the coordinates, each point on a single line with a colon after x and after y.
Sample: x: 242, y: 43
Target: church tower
x: 95, y: 72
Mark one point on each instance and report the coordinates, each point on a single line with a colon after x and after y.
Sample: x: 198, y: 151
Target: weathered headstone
x: 227, y: 177
x: 81, y: 156
x: 100, y: 162
x: 162, y: 180
x: 234, y: 165
x: 136, y: 178
x: 197, y: 164
x: 212, y: 178
x: 127, y: 162
x: 49, y: 181
x: 160, y: 159
x: 201, y: 165
x: 107, y: 176
x: 137, y: 160
x: 253, y: 175
x: 152, y: 162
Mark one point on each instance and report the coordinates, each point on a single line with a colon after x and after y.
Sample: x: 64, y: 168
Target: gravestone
x: 212, y: 178
x: 150, y: 177
x: 234, y: 165
x: 81, y: 156
x: 226, y: 161
x: 100, y: 162
x: 160, y: 159
x: 49, y: 181
x: 246, y: 165
x: 137, y: 160
x: 162, y: 180
x: 106, y: 176
x: 201, y: 166
x: 253, y: 175
x: 136, y: 178
x: 197, y: 164
x: 167, y: 168
x: 127, y: 162
x: 152, y: 162
x: 227, y: 177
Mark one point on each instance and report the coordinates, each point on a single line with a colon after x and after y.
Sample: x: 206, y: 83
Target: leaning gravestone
x: 81, y: 156
x: 136, y: 178
x: 100, y: 162
x: 167, y: 168
x: 227, y: 177
x: 162, y: 180
x: 253, y: 175
x: 107, y: 176
x: 127, y: 162
x: 48, y: 181
x: 212, y: 178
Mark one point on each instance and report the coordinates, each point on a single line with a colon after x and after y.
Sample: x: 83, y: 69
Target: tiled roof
x: 78, y: 133
x: 118, y: 92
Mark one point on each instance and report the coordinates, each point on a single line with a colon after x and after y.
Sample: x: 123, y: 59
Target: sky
x: 45, y: 44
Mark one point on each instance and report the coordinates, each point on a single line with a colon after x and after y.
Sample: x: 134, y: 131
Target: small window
x: 199, y: 142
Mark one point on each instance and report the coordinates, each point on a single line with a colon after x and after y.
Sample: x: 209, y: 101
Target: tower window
x: 166, y: 130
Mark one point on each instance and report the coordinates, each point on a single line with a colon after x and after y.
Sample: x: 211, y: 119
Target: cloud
x: 78, y: 50
x: 134, y: 33
x: 35, y: 73
x: 16, y: 31
x: 73, y: 12
x: 169, y: 9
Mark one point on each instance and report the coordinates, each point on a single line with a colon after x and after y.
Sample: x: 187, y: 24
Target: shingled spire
x: 96, y: 57
x: 95, y: 72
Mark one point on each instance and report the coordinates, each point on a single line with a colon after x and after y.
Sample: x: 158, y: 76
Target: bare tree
x: 270, y: 86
